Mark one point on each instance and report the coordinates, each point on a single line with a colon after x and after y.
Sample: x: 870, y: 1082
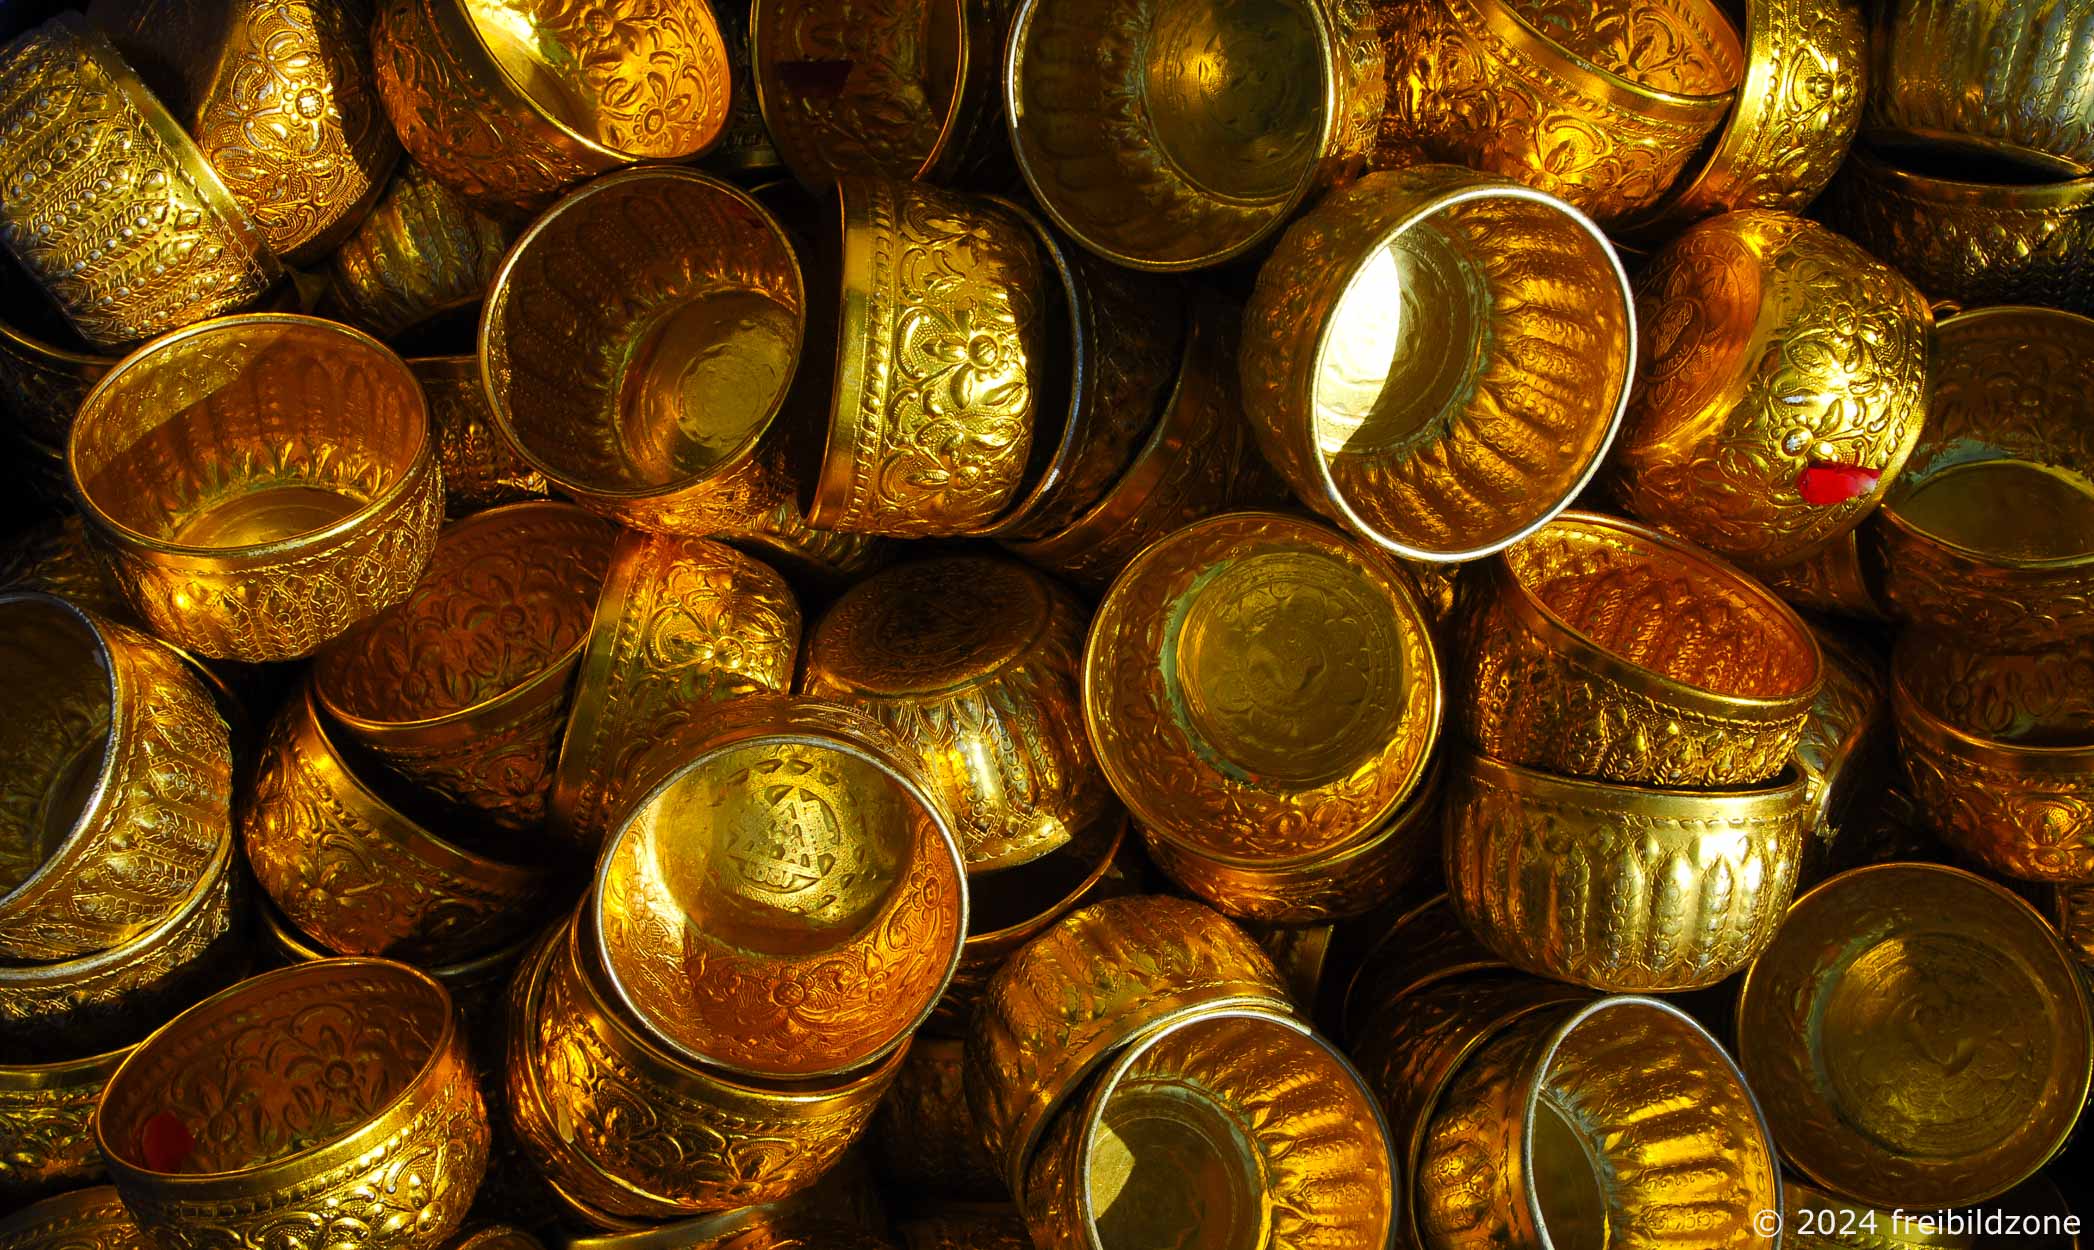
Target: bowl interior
x: 246, y: 432
x: 54, y: 730
x: 643, y: 335
x: 1472, y: 371
x: 2041, y: 700
x: 1680, y: 47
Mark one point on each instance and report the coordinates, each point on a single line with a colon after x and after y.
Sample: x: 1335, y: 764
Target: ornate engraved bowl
x: 335, y: 1095
x: 1173, y: 134
x: 422, y: 251
x: 1989, y: 535
x: 786, y: 898
x: 47, y: 1112
x: 259, y: 483
x: 1258, y: 686
x: 512, y: 102
x: 462, y: 688
x: 1240, y: 1118
x: 1439, y: 359
x: 478, y: 985
x: 83, y: 1219
x: 638, y: 345
x: 1605, y: 649
x: 480, y: 467
x: 2009, y: 77
x: 1919, y: 1037
x: 118, y: 781
x: 1782, y: 387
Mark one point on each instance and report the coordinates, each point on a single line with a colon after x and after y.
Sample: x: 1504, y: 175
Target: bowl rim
x: 1502, y: 16
x: 1914, y: 714
x: 2067, y: 191
x: 1779, y: 797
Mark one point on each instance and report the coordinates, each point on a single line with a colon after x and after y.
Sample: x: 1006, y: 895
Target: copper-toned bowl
x: 84, y: 1219
x: 2009, y: 77
x: 1840, y: 579
x: 480, y: 467
x: 478, y: 985
x: 47, y: 1125
x: 424, y: 250
x: 1443, y: 438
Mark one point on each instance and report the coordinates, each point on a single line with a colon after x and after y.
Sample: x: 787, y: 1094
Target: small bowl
x: 1782, y: 389
x: 924, y: 1134
x: 1564, y: 1125
x: 638, y: 346
x: 350, y: 870
x: 118, y: 781
x: 1599, y: 106
x: 681, y: 624
x: 1562, y: 877
x: 481, y: 469
x: 422, y: 251
x: 512, y: 105
x: 2010, y: 78
x: 259, y: 483
x: 84, y: 1219
x: 1989, y: 535
x: 1450, y: 440
x: 1070, y: 998
x: 786, y: 900
x: 462, y: 688
x: 1171, y: 136
x: 1605, y: 649
x: 110, y: 205
x: 974, y: 663
x: 1919, y: 1036
x: 1238, y: 1118
x: 47, y: 1112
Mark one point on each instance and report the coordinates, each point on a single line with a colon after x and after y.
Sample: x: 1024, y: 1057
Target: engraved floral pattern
x: 47, y: 1128
x: 421, y: 250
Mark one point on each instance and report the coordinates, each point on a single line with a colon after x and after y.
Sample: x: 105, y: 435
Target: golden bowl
x: 47, y: 1125
x: 350, y: 870
x: 2006, y: 77
x: 278, y: 94
x: 973, y: 663
x: 1989, y: 535
x: 84, y: 1219
x: 1413, y: 944
x: 1999, y: 752
x: 904, y: 89
x: 1846, y: 752
x: 118, y: 784
x: 1199, y: 458
x: 479, y: 986
x: 1605, y: 649
x: 841, y: 1201
x: 53, y: 556
x: 623, y: 1126
x: 785, y: 900
x: 924, y: 1136
x: 1071, y: 997
x: 820, y: 563
x: 46, y: 368
x: 1840, y: 579
x: 1600, y: 105
x: 481, y: 469
x: 1561, y: 876
x: 1816, y: 1220
x: 422, y: 251
x: 939, y: 363
x: 2072, y: 912
x: 1782, y: 390
x: 638, y: 346
x: 1257, y: 686
x: 462, y: 688
x: 259, y: 483
x: 746, y: 147
x: 109, y: 204
x: 1920, y: 1037
x: 681, y: 625
x: 1169, y: 135
x: 1617, y: 1121
x: 333, y: 1096
x: 1304, y: 955
x: 1239, y: 1119
x: 513, y: 102
x: 1448, y: 443
x: 497, y: 1237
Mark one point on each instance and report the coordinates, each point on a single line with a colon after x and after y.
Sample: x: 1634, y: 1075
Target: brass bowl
x: 118, y: 786
x: 47, y: 1125
x: 1847, y: 752
x: 1413, y: 944
x: 1238, y: 1118
x: 1622, y: 1118
x: 512, y: 103
x: 1169, y: 135
x: 1447, y: 442
x: 1989, y: 535
x: 1841, y: 579
x: 924, y: 1134
x: 1783, y: 388
x: 235, y: 530
x: 1605, y: 649
x: 1919, y: 1036
x: 109, y: 204
x: 280, y: 99
x: 46, y: 368
x: 1599, y: 105
x: 1999, y: 752
x: 2008, y: 77
x: 681, y: 624
x: 334, y: 1095
x: 1817, y: 1220
x: 1256, y: 685
x: 787, y: 899
x: 1968, y: 227
x: 357, y: 875
x: 462, y: 688
x: 479, y: 986
x: 1070, y: 998
x: 1557, y: 874
x: 481, y: 469
x: 939, y: 362
x: 422, y: 251
x: 84, y: 1219
x: 746, y: 148
x: 974, y: 663
x: 638, y: 345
